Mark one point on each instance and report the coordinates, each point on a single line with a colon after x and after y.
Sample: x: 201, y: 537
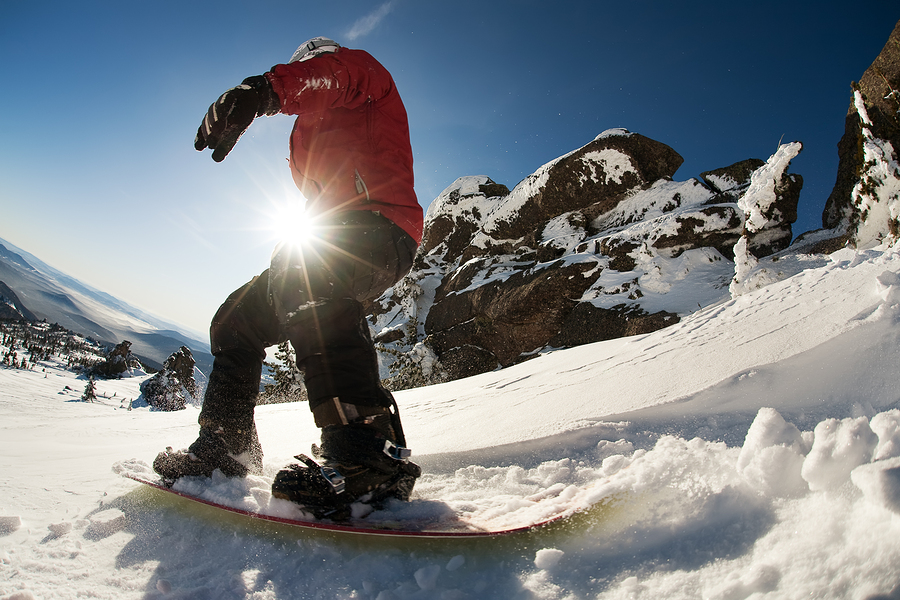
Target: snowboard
x: 418, y: 518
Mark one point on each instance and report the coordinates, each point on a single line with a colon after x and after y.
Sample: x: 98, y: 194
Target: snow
x: 752, y: 450
x: 612, y: 164
x: 459, y: 198
x: 649, y: 204
x: 614, y: 132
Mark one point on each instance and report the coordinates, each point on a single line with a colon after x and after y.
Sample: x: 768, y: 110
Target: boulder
x: 181, y: 364
x: 119, y: 360
x: 174, y: 386
x: 600, y: 175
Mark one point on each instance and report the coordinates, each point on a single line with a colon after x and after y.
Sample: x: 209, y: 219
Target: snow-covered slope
x: 756, y: 442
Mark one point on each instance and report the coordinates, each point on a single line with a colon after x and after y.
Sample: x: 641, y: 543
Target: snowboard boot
x: 232, y: 449
x: 357, y: 462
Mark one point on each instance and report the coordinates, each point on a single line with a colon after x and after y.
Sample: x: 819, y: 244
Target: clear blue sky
x: 101, y: 101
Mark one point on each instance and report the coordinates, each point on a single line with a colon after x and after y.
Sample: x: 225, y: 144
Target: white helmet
x: 314, y: 47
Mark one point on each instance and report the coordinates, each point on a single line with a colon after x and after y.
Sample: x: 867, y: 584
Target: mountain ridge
x: 51, y: 294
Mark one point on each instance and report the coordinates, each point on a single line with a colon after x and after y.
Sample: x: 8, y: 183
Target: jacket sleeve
x: 344, y: 79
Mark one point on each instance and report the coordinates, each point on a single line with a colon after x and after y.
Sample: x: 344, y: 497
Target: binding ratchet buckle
x: 397, y: 452
x: 331, y: 475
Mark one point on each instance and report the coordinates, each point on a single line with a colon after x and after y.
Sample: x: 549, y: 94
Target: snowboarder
x: 350, y: 155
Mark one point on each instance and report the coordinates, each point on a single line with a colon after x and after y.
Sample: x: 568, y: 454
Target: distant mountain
x: 11, y: 307
x: 47, y: 293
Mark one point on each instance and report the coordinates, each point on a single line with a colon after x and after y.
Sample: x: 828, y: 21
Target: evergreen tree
x: 288, y: 385
x: 90, y: 391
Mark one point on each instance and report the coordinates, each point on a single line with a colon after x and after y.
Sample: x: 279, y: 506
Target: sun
x: 292, y: 225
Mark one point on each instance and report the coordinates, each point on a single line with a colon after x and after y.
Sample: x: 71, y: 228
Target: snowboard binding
x: 328, y: 489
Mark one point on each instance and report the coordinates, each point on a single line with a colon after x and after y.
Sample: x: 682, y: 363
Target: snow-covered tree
x: 90, y: 391
x: 288, y: 383
x: 760, y: 206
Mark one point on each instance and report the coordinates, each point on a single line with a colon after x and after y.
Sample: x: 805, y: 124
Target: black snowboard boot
x: 355, y: 463
x: 234, y: 450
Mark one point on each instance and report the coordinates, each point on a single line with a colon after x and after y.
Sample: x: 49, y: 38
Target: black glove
x: 232, y: 113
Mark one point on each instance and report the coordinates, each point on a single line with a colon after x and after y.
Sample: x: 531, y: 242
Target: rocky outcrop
x: 597, y: 244
x: 119, y: 360
x: 770, y: 195
x: 864, y: 206
x: 175, y: 386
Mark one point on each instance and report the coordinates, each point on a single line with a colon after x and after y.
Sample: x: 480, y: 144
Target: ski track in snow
x: 750, y: 451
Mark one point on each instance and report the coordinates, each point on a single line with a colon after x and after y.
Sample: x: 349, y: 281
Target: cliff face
x: 597, y: 244
x: 864, y: 207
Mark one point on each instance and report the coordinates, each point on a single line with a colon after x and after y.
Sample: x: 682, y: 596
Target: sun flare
x: 292, y: 225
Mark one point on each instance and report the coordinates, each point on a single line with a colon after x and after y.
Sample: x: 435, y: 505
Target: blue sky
x: 101, y: 101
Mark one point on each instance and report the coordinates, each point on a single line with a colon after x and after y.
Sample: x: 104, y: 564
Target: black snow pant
x: 312, y: 296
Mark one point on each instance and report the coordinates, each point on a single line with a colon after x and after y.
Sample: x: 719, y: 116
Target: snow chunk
x: 759, y: 580
x: 25, y: 595
x: 773, y: 454
x: 887, y: 283
x: 616, y: 451
x: 547, y: 558
x: 427, y: 577
x: 768, y: 429
x: 839, y: 447
x: 886, y: 426
x: 59, y: 529
x: 880, y: 482
x: 10, y: 524
x: 105, y: 523
x: 456, y: 562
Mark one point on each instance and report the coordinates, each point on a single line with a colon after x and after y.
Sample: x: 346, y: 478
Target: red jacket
x: 350, y: 145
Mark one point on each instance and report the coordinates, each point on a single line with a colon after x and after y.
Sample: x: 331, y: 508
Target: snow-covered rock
x: 772, y: 192
x: 597, y: 244
x: 864, y: 207
x: 176, y: 385
x: 602, y: 243
x: 119, y: 362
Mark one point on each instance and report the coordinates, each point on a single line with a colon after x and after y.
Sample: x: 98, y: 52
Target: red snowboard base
x: 436, y: 520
